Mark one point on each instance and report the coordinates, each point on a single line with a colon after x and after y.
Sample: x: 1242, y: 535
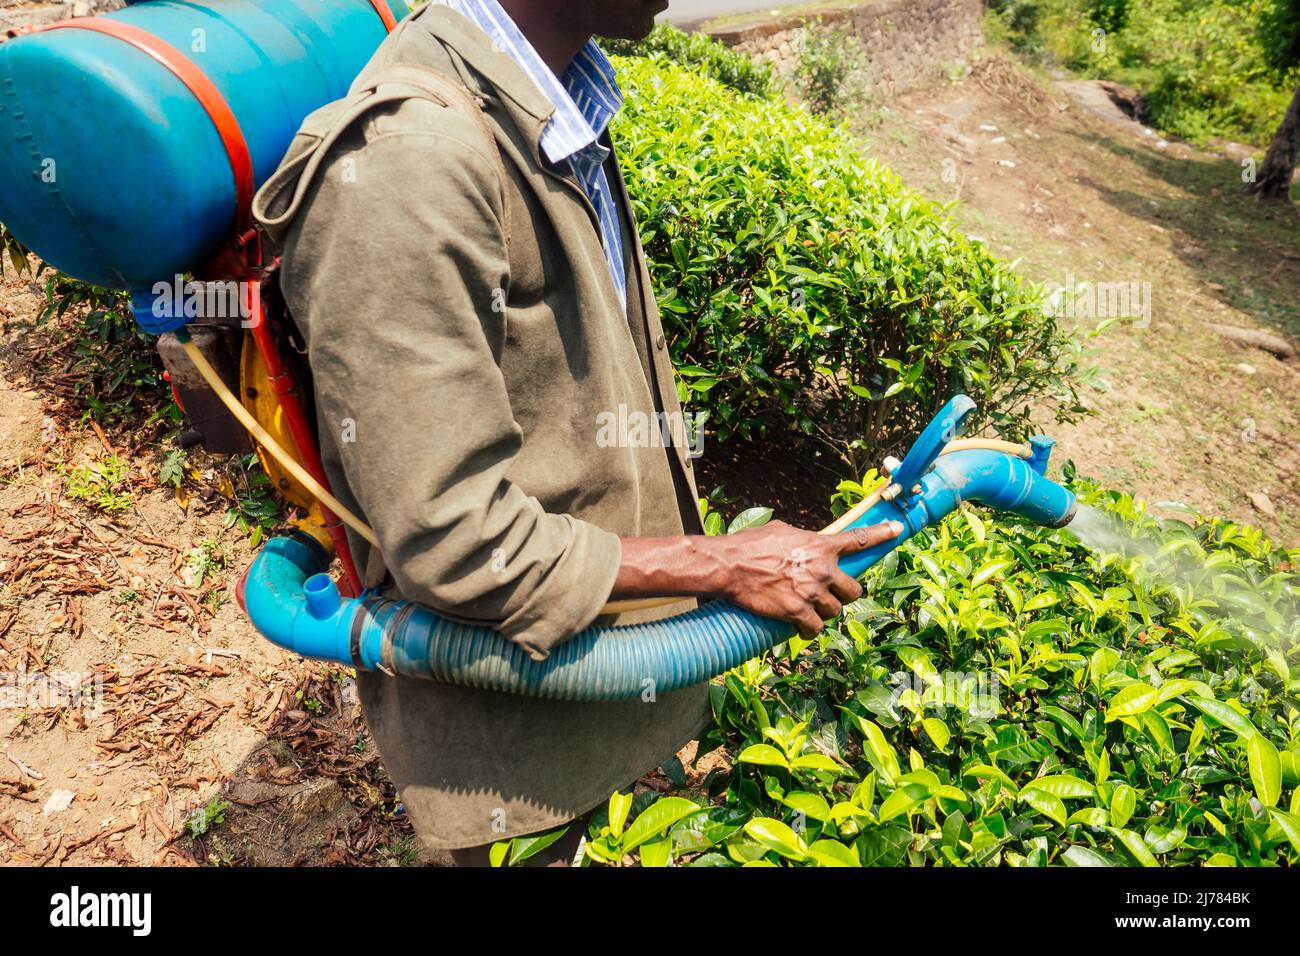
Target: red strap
x: 385, y: 14
x: 209, y: 97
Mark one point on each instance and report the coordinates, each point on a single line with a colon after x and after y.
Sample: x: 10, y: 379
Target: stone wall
x: 26, y: 13
x: 908, y: 43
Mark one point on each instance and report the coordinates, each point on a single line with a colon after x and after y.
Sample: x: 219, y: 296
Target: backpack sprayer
x: 131, y: 145
x: 116, y: 131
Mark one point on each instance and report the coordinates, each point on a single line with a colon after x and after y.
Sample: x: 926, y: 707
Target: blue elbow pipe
x: 991, y: 478
x: 293, y: 602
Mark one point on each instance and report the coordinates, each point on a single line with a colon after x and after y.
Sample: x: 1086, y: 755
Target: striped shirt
x: 585, y: 98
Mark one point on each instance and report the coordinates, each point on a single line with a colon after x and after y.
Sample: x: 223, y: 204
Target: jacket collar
x: 502, y: 74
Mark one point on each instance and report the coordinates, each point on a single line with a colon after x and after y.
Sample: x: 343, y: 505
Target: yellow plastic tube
x: 264, y: 439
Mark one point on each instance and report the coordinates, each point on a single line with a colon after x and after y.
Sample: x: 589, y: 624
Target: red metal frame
x: 286, y: 393
x: 385, y: 14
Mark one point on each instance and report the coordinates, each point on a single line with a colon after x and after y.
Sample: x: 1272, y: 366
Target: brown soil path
x: 1053, y: 175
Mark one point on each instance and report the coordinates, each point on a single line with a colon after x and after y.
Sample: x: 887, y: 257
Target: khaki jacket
x: 467, y: 344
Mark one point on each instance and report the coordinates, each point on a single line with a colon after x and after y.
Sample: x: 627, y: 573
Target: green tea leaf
x: 1265, y: 769
x: 883, y: 756
x: 750, y: 518
x: 1063, y: 786
x: 832, y: 853
x: 1077, y: 855
x: 657, y: 818
x: 987, y: 570
x: 1064, y: 718
x: 764, y: 755
x: 1089, y: 816
x: 525, y: 847
x: 917, y: 661
x: 986, y: 772
x: 1039, y: 601
x: 657, y: 854
x: 1136, y: 846
x: 1176, y: 688
x: 1163, y: 839
x: 815, y: 762
x: 620, y: 804
x: 1122, y: 804
x: 1157, y: 730
x: 1044, y: 802
x: 1223, y: 714
x: 903, y: 800
x: 775, y: 835
x: 1289, y: 824
x: 1132, y: 700
x: 811, y: 805
x: 938, y: 732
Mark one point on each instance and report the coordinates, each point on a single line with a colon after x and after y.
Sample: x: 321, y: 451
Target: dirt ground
x: 195, y: 742
x: 142, y: 720
x: 1053, y: 174
x: 184, y: 707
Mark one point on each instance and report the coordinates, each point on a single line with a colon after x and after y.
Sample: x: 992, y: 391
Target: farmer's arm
x: 775, y: 570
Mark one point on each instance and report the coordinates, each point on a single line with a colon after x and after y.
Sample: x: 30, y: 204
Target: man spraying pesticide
x: 459, y: 264
x: 464, y: 266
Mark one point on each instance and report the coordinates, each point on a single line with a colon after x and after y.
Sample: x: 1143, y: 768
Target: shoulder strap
x: 277, y: 202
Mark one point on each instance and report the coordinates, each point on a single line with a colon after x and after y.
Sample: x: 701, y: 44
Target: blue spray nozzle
x: 1042, y: 447
x: 322, y: 594
x: 942, y: 429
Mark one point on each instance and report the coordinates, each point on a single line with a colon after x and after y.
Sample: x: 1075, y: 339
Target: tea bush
x: 829, y: 72
x: 697, y: 52
x: 805, y: 288
x: 1002, y: 694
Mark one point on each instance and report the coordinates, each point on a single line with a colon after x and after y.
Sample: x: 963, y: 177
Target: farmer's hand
x: 775, y: 570
x: 783, y: 572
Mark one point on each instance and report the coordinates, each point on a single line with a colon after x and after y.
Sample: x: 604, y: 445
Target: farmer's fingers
x: 859, y: 539
x: 844, y: 587
x: 809, y: 624
x: 827, y: 606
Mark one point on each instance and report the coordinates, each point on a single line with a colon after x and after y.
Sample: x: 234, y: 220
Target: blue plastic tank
x: 110, y: 168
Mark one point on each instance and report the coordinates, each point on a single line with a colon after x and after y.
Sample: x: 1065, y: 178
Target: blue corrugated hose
x: 295, y: 604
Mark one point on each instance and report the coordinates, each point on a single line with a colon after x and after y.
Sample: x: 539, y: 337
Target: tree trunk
x: 1274, y: 179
